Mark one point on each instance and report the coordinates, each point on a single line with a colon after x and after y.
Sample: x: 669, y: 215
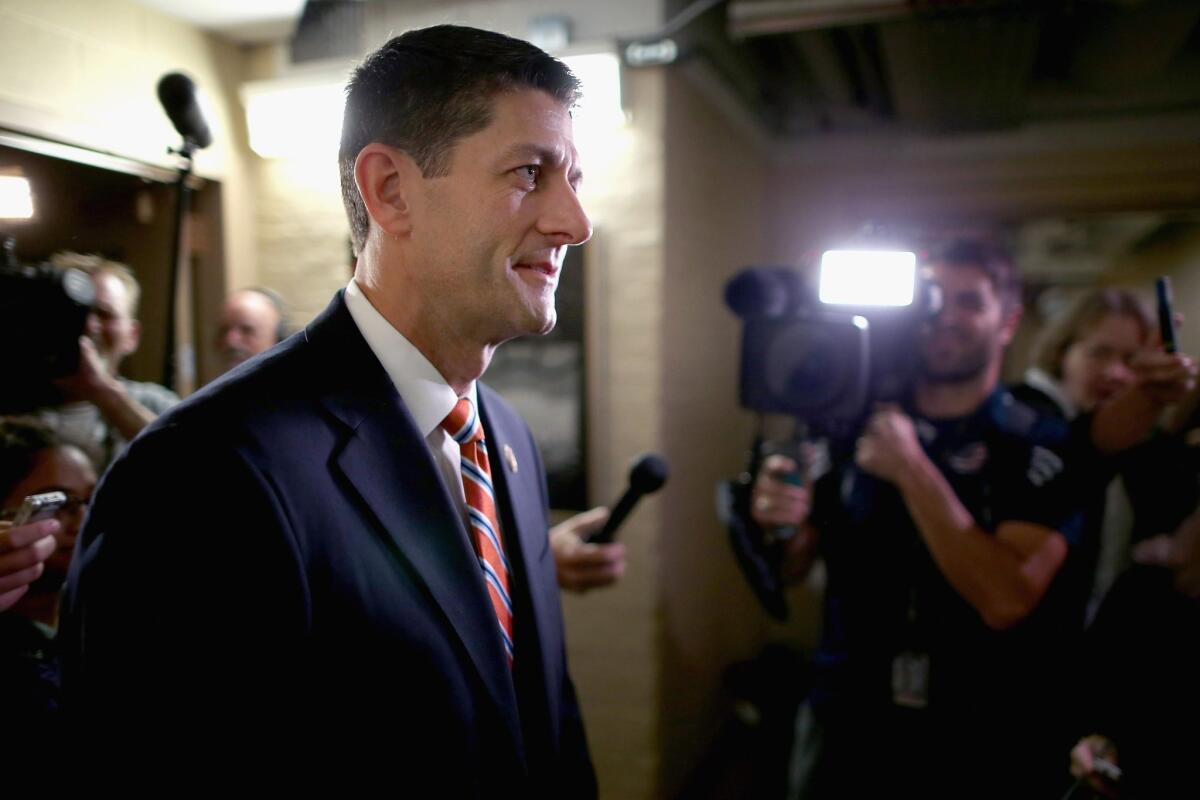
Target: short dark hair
x: 282, y: 328
x: 21, y: 439
x: 991, y: 258
x: 426, y: 89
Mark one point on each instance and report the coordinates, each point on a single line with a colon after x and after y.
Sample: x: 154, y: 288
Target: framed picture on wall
x: 543, y: 377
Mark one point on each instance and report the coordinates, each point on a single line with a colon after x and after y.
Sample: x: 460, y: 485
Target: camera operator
x: 102, y: 410
x: 943, y: 624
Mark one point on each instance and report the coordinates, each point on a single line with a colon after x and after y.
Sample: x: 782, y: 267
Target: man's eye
x: 529, y: 172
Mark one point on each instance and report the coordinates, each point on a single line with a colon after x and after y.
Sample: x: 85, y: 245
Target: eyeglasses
x: 74, y: 505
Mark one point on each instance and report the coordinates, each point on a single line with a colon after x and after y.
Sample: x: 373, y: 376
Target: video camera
x: 823, y: 358
x: 43, y: 312
x: 826, y: 357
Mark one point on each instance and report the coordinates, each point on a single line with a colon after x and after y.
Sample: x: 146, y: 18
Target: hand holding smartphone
x: 38, y: 507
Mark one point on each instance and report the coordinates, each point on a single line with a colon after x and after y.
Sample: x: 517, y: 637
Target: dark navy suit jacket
x: 278, y: 561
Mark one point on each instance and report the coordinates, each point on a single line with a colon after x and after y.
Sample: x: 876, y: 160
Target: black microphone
x: 647, y: 476
x: 177, y: 94
x: 773, y: 292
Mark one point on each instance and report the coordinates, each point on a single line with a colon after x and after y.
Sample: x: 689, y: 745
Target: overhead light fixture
x: 294, y: 118
x: 600, y: 77
x: 16, y: 198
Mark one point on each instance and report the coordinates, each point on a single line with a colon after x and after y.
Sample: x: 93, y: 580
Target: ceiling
x: 807, y: 67
x: 813, y: 67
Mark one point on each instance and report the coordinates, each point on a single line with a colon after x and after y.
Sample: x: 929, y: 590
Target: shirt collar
x: 422, y: 388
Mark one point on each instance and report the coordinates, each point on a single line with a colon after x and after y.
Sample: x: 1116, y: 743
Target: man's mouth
x: 545, y: 269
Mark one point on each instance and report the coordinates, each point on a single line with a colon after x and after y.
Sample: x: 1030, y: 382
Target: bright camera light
x: 16, y: 198
x: 868, y: 277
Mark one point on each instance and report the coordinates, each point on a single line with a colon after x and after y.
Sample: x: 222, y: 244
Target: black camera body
x: 823, y: 364
x: 43, y: 312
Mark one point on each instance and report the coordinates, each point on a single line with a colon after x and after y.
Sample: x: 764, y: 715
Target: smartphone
x: 1166, y: 317
x: 39, y: 506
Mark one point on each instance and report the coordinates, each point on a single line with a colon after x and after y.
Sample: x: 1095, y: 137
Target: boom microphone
x: 177, y: 94
x: 647, y: 476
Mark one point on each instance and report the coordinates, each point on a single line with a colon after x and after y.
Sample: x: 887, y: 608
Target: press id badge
x: 910, y: 679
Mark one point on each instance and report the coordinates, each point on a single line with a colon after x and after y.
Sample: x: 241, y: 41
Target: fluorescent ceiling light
x: 288, y: 119
x: 16, y: 198
x: 868, y: 277
x: 600, y: 77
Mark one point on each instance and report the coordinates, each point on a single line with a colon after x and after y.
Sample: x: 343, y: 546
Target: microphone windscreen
x: 648, y: 474
x: 764, y: 292
x: 177, y: 94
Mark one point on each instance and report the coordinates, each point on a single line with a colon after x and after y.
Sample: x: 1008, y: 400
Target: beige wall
x: 715, y: 226
x: 85, y: 72
x: 612, y: 635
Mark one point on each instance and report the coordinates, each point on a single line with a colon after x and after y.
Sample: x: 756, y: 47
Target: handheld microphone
x: 647, y: 476
x: 177, y: 94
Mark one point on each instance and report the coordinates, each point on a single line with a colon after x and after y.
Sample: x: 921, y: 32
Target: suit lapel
x: 388, y: 464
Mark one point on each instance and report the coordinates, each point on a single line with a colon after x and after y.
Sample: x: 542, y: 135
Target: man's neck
x: 458, y: 358
x: 938, y: 400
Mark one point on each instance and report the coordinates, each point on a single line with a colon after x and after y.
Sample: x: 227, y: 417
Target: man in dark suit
x: 305, y: 553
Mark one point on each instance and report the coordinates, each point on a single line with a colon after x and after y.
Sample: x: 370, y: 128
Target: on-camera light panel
x: 868, y: 277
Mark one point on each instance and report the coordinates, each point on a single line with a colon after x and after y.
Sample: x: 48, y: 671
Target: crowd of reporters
x: 969, y: 537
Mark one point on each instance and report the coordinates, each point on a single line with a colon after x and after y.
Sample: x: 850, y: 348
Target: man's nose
x: 91, y: 326
x: 565, y: 220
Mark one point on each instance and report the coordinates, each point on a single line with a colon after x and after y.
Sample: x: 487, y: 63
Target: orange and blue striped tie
x: 463, y: 425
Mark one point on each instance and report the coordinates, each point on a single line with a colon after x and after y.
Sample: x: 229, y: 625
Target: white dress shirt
x: 422, y: 388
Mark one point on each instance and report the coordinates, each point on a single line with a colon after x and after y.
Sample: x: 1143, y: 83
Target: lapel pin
x: 510, y: 458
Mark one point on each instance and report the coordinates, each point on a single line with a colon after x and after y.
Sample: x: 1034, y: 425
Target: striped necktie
x: 463, y: 425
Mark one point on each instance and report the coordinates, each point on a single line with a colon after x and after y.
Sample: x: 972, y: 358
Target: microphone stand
x: 183, y: 197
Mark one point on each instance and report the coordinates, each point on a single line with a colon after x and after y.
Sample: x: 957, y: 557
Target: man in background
x: 253, y: 320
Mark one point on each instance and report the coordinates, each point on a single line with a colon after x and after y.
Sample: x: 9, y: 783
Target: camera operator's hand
x: 583, y: 565
x: 91, y: 380
x: 774, y: 503
x: 93, y: 383
x: 23, y: 549
x: 888, y: 446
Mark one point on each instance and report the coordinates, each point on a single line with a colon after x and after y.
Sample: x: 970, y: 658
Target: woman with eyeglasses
x: 32, y: 570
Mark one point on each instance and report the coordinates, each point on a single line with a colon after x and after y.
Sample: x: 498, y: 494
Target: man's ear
x: 387, y: 180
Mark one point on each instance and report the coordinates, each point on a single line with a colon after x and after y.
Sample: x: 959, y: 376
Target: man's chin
x: 949, y: 376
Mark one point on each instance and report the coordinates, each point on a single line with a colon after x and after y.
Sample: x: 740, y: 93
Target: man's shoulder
x: 1017, y: 419
x: 279, y: 387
